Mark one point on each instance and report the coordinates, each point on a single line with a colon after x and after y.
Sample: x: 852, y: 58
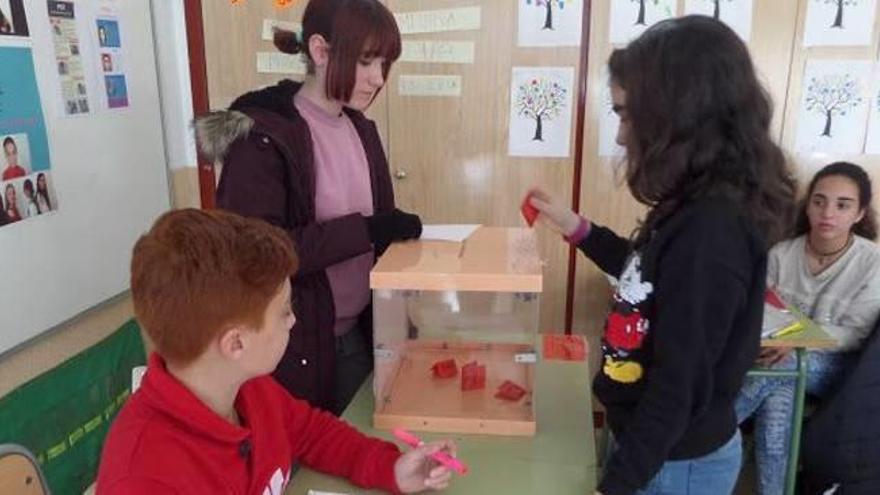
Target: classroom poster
x: 26, y: 189
x: 68, y: 57
x: 735, y: 13
x: 839, y: 22
x: 540, y: 111
x: 111, y: 61
x: 608, y: 124
x: 550, y: 22
x: 833, y: 107
x: 13, y: 19
x: 872, y: 142
x: 630, y: 18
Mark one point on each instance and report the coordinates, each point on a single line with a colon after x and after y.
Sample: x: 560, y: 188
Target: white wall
x: 172, y: 64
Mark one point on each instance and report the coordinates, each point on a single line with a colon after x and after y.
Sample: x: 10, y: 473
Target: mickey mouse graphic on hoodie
x: 626, y: 327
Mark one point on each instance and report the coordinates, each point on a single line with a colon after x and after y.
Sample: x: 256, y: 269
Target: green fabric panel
x: 63, y: 415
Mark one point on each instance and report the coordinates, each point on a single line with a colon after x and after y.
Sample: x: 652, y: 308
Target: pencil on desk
x: 790, y: 329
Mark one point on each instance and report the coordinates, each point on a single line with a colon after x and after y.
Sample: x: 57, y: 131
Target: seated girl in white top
x: 831, y: 272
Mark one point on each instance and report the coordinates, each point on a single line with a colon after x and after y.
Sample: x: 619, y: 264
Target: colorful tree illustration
x: 832, y: 95
x: 540, y: 99
x: 548, y: 6
x: 838, y: 19
x: 640, y: 19
x: 717, y: 12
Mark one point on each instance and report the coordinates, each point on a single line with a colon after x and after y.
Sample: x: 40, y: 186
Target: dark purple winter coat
x: 265, y: 148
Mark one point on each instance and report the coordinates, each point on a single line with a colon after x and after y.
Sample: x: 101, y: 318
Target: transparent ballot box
x: 455, y: 329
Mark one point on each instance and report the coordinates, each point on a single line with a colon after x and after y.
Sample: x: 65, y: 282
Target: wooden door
x: 450, y: 154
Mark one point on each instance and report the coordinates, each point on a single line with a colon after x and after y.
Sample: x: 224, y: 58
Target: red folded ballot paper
x: 529, y: 212
x: 773, y: 299
x: 445, y: 369
x: 510, y: 391
x: 565, y: 347
x: 473, y: 376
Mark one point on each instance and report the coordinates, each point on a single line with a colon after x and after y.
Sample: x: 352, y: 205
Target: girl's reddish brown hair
x: 355, y: 30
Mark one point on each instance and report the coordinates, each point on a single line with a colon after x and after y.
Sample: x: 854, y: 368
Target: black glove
x: 396, y: 225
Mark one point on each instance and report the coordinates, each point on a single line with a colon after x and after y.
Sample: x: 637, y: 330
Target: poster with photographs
x: 13, y: 21
x: 68, y: 59
x: 111, y: 62
x: 26, y: 189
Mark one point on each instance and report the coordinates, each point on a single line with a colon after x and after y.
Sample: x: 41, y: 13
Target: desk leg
x: 796, y: 422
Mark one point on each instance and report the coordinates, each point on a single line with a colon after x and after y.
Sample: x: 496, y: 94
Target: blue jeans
x: 771, y: 400
x: 712, y: 474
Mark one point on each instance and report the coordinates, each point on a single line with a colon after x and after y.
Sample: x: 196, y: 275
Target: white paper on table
x: 839, y: 22
x: 630, y: 18
x: 549, y: 22
x: 448, y: 232
x: 735, y: 13
x: 833, y: 108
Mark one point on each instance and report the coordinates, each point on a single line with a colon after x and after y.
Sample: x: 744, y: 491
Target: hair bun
x: 287, y: 41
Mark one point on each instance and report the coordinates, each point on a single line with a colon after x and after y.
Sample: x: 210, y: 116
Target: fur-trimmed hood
x: 216, y: 131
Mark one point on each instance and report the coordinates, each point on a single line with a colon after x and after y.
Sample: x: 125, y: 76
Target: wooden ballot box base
x: 415, y: 399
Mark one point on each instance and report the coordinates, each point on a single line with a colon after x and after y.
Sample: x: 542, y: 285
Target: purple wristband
x: 580, y: 233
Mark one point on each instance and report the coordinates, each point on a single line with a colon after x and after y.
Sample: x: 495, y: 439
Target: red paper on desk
x: 773, y: 299
x: 529, y: 212
x: 510, y: 391
x: 565, y: 347
x: 445, y: 369
x: 473, y: 376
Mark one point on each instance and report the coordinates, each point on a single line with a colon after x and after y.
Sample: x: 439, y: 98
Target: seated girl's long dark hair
x: 699, y: 124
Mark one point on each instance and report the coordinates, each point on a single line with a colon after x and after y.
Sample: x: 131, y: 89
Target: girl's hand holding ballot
x: 553, y: 212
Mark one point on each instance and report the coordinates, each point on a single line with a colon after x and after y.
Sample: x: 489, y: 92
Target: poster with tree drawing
x: 872, y: 142
x: 839, y: 22
x: 608, y: 124
x: 540, y: 111
x: 629, y: 18
x: 833, y: 106
x: 549, y: 22
x: 735, y: 13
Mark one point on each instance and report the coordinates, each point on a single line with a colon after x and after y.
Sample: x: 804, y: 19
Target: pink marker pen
x: 441, y: 457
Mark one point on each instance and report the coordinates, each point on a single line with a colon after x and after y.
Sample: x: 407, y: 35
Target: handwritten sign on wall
x: 434, y: 21
x: 429, y: 85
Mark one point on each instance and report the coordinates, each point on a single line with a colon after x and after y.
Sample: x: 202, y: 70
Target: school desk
x: 560, y: 458
x: 811, y: 337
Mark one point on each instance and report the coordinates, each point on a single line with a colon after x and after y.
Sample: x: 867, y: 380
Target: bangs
x: 369, y: 31
x: 383, y: 40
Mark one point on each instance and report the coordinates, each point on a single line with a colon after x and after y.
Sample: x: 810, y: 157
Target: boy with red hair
x: 212, y: 290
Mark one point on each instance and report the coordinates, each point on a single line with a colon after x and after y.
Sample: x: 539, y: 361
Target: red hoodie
x: 166, y: 440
